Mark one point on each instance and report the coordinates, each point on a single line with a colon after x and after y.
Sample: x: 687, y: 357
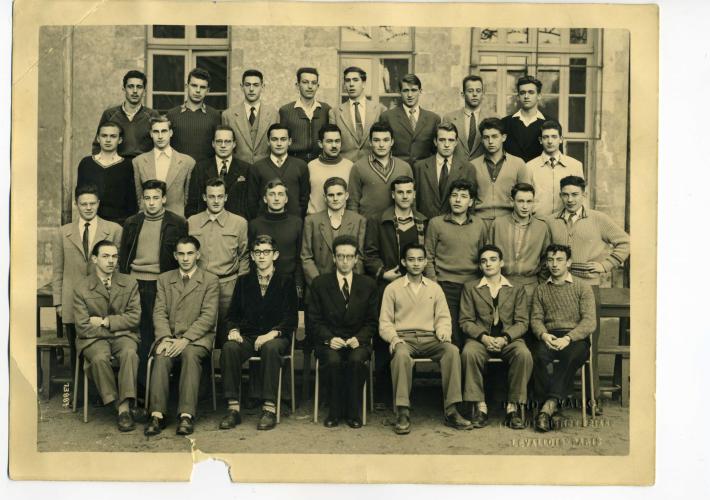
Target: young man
x: 370, y: 177
x: 494, y: 318
x: 329, y: 164
x: 414, y: 127
x: 343, y: 312
x: 71, y: 257
x: 131, y: 116
x: 148, y: 242
x: 223, y: 239
x: 261, y: 319
x: 292, y: 171
x: 194, y: 121
x: 415, y: 321
x: 251, y: 119
x: 355, y: 116
x: 496, y: 172
x: 435, y: 174
x: 523, y: 238
x: 164, y: 164
x: 453, y: 242
x: 185, y: 317
x: 284, y: 228
x: 466, y: 119
x: 548, y: 169
x: 523, y: 127
x: 305, y: 116
x: 112, y: 174
x: 562, y: 319
x: 107, y: 311
x: 224, y: 165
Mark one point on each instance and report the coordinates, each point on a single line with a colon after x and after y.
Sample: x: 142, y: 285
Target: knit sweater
x: 594, y: 237
x: 493, y: 197
x: 569, y: 306
x: 527, y: 260
x: 304, y: 132
x: 522, y: 141
x: 193, y: 131
x: 136, y: 132
x: 146, y: 265
x: 293, y: 173
x: 116, y: 185
x: 370, y: 194
x: 452, y: 249
x: 287, y: 230
x: 319, y: 171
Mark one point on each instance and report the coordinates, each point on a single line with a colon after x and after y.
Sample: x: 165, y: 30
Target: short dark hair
x: 110, y: 124
x: 134, y: 73
x: 215, y: 182
x: 334, y: 181
x: 490, y: 248
x: 524, y: 80
x: 155, y: 184
x: 263, y: 239
x: 355, y: 69
x: 381, y: 127
x: 491, y: 123
x: 161, y: 119
x: 522, y: 186
x: 199, y: 73
x: 411, y: 79
x: 185, y: 240
x: 275, y: 183
x: 462, y: 185
x: 225, y: 128
x: 103, y: 243
x: 554, y: 248
x: 551, y: 124
x: 86, y: 188
x: 446, y: 127
x: 402, y: 179
x: 252, y: 72
x: 573, y: 180
x: 470, y: 78
x: 278, y: 126
x: 345, y: 239
x: 328, y: 127
x: 312, y: 71
x: 414, y: 245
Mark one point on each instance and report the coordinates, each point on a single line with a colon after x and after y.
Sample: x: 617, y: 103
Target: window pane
x: 217, y: 66
x: 168, y: 31
x: 217, y: 101
x: 577, y: 114
x: 511, y: 104
x: 211, y: 31
x: 512, y: 80
x: 549, y: 36
x: 164, y: 102
x: 550, y: 81
x: 578, y: 36
x: 577, y: 77
x: 168, y: 73
x: 578, y: 151
x: 490, y: 92
x: 489, y: 35
x: 516, y: 35
x: 391, y: 70
x: 550, y: 106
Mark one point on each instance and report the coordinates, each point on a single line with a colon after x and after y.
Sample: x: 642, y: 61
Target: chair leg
x: 592, y: 401
x: 86, y: 397
x: 372, y: 385
x: 214, y: 388
x: 293, y: 384
x: 584, y: 398
x: 147, y: 382
x: 278, y: 398
x: 76, y: 385
x: 364, y: 403
x: 315, y: 394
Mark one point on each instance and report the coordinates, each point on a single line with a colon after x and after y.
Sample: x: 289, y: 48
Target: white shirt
x: 494, y: 288
x: 467, y: 122
x: 336, y: 216
x: 408, y: 112
x: 568, y: 278
x: 189, y: 275
x: 309, y: 111
x: 219, y: 161
x: 348, y: 278
x: 526, y: 121
x: 93, y: 226
x: 130, y: 115
x: 415, y: 286
x: 248, y: 106
x: 440, y: 164
x: 114, y: 158
x: 162, y: 162
x: 362, y: 107
x: 278, y: 162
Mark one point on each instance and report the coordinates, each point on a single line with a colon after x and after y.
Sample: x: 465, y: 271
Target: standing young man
x: 329, y: 164
x: 523, y: 127
x: 466, y: 119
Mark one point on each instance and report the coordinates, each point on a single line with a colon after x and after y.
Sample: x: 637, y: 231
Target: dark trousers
x: 234, y: 354
x: 191, y: 360
x: 345, y: 372
x: 147, y: 290
x: 554, y: 380
x: 452, y: 292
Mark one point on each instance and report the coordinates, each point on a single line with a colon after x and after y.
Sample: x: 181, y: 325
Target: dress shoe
x: 185, y: 426
x: 513, y: 420
x: 402, y: 426
x: 455, y: 420
x: 267, y: 421
x: 354, y: 423
x: 154, y: 427
x: 542, y: 422
x: 231, y: 420
x: 479, y: 420
x: 331, y: 421
x: 556, y: 421
x: 125, y: 422
x: 139, y: 414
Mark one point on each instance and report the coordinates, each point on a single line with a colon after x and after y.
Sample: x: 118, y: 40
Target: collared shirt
x: 336, y: 217
x: 264, y: 280
x: 219, y: 161
x: 223, y: 242
x: 309, y: 111
x: 114, y: 158
x: 106, y: 281
x: 162, y: 162
x: 440, y: 164
x: 362, y: 108
x: 348, y: 278
x: 467, y: 122
x: 408, y: 112
x: 202, y: 107
x: 568, y: 217
x: 519, y: 115
x: 248, y: 106
x: 128, y: 114
x: 567, y: 279
x: 494, y: 288
x: 93, y: 226
x: 189, y: 275
x: 278, y: 162
x: 557, y: 156
x: 449, y: 217
x: 415, y: 287
x: 546, y: 180
x: 494, y: 168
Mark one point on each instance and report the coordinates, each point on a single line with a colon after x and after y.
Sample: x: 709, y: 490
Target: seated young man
x: 261, y: 319
x: 563, y: 317
x: 343, y: 313
x: 185, y: 319
x: 415, y: 321
x: 494, y: 317
x: 107, y: 312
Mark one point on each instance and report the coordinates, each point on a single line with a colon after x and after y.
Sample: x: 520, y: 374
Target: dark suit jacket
x: 235, y: 182
x: 429, y: 202
x: 355, y: 147
x: 254, y: 315
x: 412, y: 145
x: 476, y: 313
x: 172, y: 228
x: 331, y: 318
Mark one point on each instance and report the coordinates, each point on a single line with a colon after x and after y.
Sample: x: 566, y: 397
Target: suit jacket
x: 178, y: 178
x: 317, y: 246
x: 248, y: 150
x: 459, y: 119
x: 354, y: 148
x: 429, y: 201
x: 172, y: 228
x: 476, y: 313
x: 122, y: 306
x: 235, y: 182
x: 412, y: 145
x: 187, y: 311
x: 331, y: 317
x: 69, y: 263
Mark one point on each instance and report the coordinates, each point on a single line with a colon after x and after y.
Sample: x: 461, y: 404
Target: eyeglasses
x: 259, y: 253
x: 345, y: 257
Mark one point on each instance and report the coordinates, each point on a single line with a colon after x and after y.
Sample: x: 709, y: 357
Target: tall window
x: 174, y: 50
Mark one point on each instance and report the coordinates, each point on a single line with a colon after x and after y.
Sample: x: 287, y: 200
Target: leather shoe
x: 354, y: 423
x: 154, y: 427
x: 402, y: 426
x: 455, y: 420
x: 185, y: 426
x: 479, y: 420
x: 556, y: 420
x: 513, y: 420
x: 139, y: 414
x: 125, y: 422
x: 231, y: 420
x: 331, y: 421
x: 267, y: 421
x: 542, y: 422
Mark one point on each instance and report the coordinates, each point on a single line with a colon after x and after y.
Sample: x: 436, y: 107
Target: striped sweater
x: 569, y: 306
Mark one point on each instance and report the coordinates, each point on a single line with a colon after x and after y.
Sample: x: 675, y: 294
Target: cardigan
x: 493, y: 198
x: 172, y: 229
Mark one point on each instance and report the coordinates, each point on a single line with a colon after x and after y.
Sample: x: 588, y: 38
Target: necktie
x: 443, y: 178
x: 252, y: 116
x: 413, y: 118
x: 223, y: 170
x: 359, y: 129
x: 185, y: 280
x: 107, y: 284
x: 346, y: 290
x: 85, y: 240
x: 552, y: 162
x: 471, y: 132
